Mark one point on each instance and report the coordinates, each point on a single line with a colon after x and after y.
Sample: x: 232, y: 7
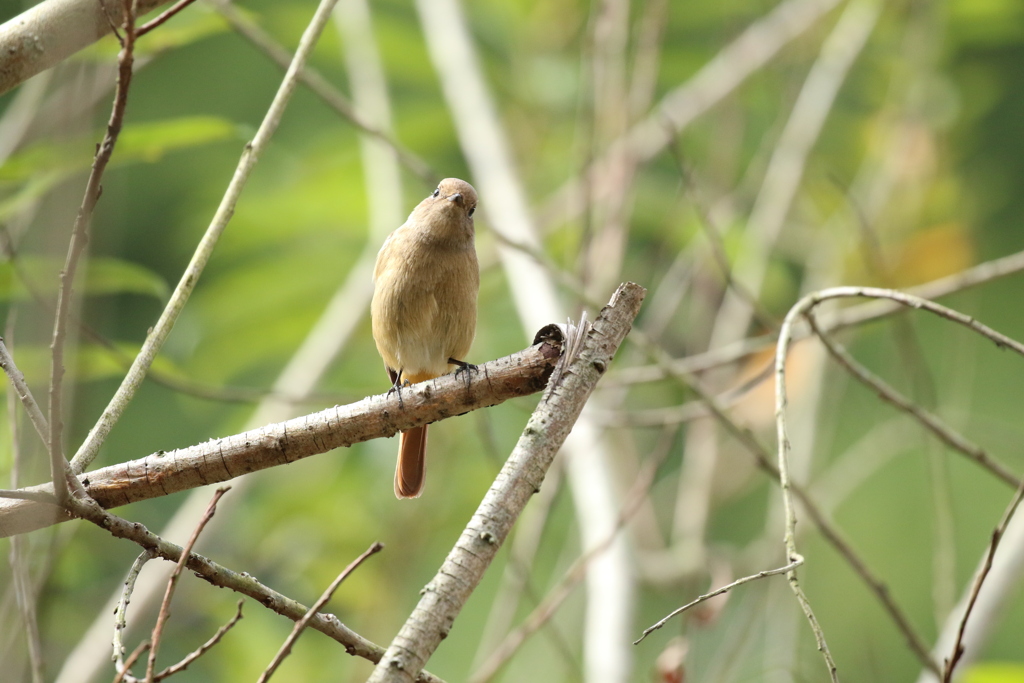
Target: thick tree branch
x: 162, y: 473
x: 518, y: 480
x: 52, y: 31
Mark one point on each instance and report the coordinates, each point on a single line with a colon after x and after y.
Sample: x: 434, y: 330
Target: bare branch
x: 518, y: 480
x: 302, y: 623
x: 218, y: 460
x: 979, y: 580
x: 830, y: 322
x: 240, y: 582
x: 172, y: 583
x: 944, y: 432
x: 79, y: 238
x: 132, y: 658
x: 162, y: 18
x: 50, y: 32
x: 828, y: 530
x: 24, y: 392
x: 121, y: 615
x: 719, y: 591
x: 202, y: 649
x: 554, y: 599
x: 250, y: 155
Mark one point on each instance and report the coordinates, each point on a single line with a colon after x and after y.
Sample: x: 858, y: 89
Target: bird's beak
x: 457, y: 197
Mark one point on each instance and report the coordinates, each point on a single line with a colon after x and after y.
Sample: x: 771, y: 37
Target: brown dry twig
x: 958, y: 650
x: 718, y: 591
x: 240, y: 582
x: 79, y: 239
x: 764, y: 460
x: 172, y: 583
x: 162, y: 17
x: 302, y: 623
x: 945, y: 433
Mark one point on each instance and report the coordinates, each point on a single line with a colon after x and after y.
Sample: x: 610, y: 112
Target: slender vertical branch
x: 79, y: 239
x: 250, y: 155
x: 979, y: 580
x: 792, y: 556
x: 172, y: 583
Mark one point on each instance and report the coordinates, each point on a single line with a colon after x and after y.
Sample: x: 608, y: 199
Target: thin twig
x: 997, y: 535
x: 302, y: 623
x: 24, y: 393
x: 240, y: 582
x: 21, y: 580
x: 172, y: 583
x: 132, y: 658
x: 79, y: 239
x: 832, y: 322
x: 715, y: 593
x: 763, y: 458
x: 936, y: 426
x: 801, y: 308
x: 121, y: 612
x: 202, y: 649
x: 163, y: 17
x: 155, y: 339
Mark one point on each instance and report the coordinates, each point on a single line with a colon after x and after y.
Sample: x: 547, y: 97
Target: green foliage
x: 30, y: 277
x: 994, y: 672
x: 920, y: 156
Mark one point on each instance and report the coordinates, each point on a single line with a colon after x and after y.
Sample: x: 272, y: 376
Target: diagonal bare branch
x: 518, y: 480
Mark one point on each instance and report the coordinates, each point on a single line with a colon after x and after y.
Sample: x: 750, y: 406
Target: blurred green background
x: 915, y: 175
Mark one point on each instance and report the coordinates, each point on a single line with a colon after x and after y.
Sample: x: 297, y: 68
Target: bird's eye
x: 471, y: 211
x: 436, y: 192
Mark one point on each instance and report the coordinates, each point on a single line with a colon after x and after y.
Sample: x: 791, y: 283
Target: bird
x: 423, y: 312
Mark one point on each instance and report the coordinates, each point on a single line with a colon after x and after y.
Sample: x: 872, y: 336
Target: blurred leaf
x: 104, y: 275
x: 91, y: 362
x: 146, y: 142
x: 933, y: 253
x: 150, y: 141
x: 995, y: 672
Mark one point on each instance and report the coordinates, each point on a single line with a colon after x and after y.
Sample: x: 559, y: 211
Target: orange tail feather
x: 412, y: 452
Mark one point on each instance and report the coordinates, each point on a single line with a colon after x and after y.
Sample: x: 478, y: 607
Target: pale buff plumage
x: 424, y: 304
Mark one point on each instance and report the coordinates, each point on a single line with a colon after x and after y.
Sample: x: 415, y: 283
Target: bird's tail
x: 412, y: 456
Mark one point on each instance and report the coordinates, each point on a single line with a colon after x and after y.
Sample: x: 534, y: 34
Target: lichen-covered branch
x: 518, y: 480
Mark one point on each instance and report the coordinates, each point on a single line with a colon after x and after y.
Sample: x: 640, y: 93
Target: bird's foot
x: 465, y: 367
